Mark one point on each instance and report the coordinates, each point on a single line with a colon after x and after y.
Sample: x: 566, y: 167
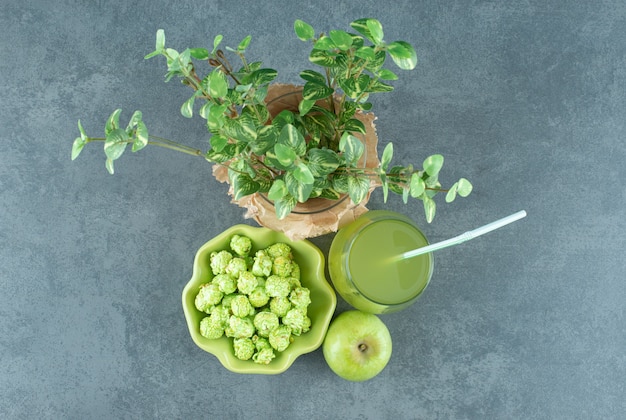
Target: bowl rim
x: 322, y: 286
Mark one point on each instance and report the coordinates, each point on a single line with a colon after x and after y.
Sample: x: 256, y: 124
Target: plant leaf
x: 284, y: 154
x: 278, y: 190
x: 186, y: 108
x: 354, y: 125
x: 303, y: 174
x: 305, y: 106
x: 429, y: 208
x: 416, y: 185
x: 386, y: 156
x: 292, y: 138
x: 77, y: 147
x: 465, y: 187
x: 109, y: 165
x: 199, y: 53
x: 376, y: 30
x: 351, y: 147
x: 244, y: 44
x: 303, y: 30
x: 299, y: 190
x: 314, y: 91
x: 243, y: 185
x: 358, y: 187
x: 284, y: 206
x: 218, y: 142
x: 263, y: 76
x: 115, y: 143
x: 366, y: 53
x: 322, y: 161
x: 321, y: 58
x: 386, y: 74
x: 141, y: 137
x: 403, y: 54
x: 313, y: 76
x: 451, y: 195
x: 433, y: 164
x: 113, y: 122
x: 341, y: 39
x: 267, y: 136
x: 216, y: 42
x: 218, y: 87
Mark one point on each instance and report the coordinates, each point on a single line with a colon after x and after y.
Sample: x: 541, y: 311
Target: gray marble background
x: 527, y: 99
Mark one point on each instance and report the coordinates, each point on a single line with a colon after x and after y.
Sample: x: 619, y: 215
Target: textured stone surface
x: 527, y: 99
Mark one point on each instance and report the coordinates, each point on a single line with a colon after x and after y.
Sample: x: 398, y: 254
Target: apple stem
x: 362, y: 347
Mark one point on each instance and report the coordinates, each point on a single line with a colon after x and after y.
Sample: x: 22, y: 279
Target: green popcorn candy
x: 262, y: 265
x: 294, y: 283
x: 279, y: 249
x: 239, y: 327
x: 208, y: 296
x: 282, y: 266
x: 240, y: 306
x: 259, y: 297
x: 300, y: 297
x: 265, y: 322
x: 228, y: 300
x: 277, y: 286
x: 244, y: 348
x: 221, y: 314
x: 295, y: 270
x: 235, y: 267
x: 241, y: 245
x: 280, y: 306
x: 247, y: 282
x: 210, y: 328
x: 261, y: 343
x: 226, y: 283
x: 219, y: 261
x: 264, y: 356
x: 280, y: 338
x: 296, y: 319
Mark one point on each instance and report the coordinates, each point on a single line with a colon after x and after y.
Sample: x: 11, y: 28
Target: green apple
x: 357, y: 346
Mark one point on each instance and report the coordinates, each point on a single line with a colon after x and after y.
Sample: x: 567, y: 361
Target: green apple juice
x: 361, y: 266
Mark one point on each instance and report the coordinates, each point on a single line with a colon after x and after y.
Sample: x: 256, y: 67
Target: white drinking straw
x: 463, y: 237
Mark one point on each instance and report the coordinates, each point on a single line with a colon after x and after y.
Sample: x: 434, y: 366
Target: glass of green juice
x: 361, y: 267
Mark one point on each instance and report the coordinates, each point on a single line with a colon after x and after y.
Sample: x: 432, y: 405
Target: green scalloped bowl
x: 321, y: 309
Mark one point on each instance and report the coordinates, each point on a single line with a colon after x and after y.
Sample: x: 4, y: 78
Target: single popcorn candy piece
x: 265, y: 322
x: 235, y: 267
x: 264, y: 356
x: 239, y: 327
x: 219, y: 261
x: 211, y: 328
x: 228, y: 299
x: 296, y: 319
x: 208, y: 296
x: 280, y: 305
x: 300, y: 297
x: 244, y: 348
x: 247, y: 282
x: 226, y: 283
x: 262, y: 265
x: 240, y: 306
x: 221, y: 314
x: 277, y: 286
x: 280, y: 338
x: 282, y: 266
x: 241, y: 245
x: 258, y: 297
x: 264, y: 351
x: 279, y: 249
x: 295, y: 270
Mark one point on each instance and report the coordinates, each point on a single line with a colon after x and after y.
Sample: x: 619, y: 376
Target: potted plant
x: 315, y: 150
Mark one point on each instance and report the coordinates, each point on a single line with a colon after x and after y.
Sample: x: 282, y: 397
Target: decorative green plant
x: 293, y: 156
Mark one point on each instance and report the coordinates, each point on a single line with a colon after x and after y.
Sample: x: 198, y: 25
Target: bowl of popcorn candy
x: 257, y: 300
